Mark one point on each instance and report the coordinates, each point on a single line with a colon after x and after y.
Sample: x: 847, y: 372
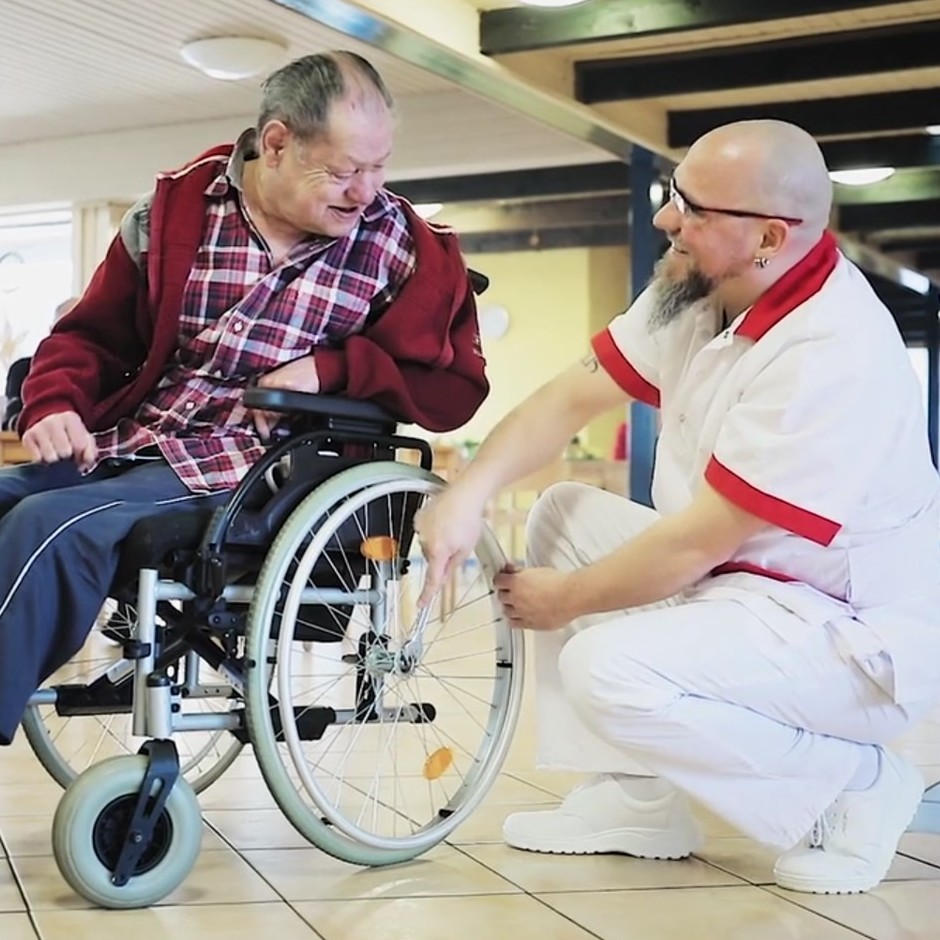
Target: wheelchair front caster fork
x: 163, y: 770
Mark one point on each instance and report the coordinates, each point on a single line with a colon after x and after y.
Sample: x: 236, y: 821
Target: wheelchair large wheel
x: 89, y: 826
x: 376, y: 755
x: 67, y: 745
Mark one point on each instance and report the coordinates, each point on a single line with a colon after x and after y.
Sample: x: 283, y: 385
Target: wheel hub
x: 111, y: 829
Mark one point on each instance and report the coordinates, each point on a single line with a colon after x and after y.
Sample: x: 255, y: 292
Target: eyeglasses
x: 687, y: 209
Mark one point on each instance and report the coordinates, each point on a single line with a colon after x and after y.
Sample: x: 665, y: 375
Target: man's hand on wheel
x: 448, y: 529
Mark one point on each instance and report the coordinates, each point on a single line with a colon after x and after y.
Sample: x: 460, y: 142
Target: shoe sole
x: 622, y: 842
x: 849, y: 885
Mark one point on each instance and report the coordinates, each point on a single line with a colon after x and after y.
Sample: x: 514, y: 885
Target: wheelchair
x: 284, y: 620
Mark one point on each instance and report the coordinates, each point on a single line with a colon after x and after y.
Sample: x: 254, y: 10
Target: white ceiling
x: 87, y: 67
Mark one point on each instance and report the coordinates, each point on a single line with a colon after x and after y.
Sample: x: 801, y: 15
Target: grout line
x: 804, y: 907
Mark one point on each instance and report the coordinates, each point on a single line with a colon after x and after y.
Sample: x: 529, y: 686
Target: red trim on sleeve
x: 620, y: 370
x: 769, y: 508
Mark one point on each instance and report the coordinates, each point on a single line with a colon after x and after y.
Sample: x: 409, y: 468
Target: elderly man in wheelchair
x: 193, y: 462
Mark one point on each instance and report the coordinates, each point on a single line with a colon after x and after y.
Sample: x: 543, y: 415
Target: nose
x: 363, y: 188
x: 668, y: 218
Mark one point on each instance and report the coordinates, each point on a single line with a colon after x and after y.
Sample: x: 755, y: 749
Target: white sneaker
x: 852, y: 845
x: 600, y: 817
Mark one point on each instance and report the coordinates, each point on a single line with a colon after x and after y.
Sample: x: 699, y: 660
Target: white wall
x: 104, y: 167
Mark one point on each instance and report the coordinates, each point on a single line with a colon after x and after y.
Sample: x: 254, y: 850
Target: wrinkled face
x: 323, y: 186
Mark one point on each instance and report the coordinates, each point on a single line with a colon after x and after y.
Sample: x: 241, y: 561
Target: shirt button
x: 681, y: 419
x: 190, y: 405
x: 237, y: 327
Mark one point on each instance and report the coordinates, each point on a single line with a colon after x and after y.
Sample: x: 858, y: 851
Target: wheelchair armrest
x: 328, y: 406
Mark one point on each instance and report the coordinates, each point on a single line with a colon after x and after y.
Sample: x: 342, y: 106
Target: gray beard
x: 671, y: 298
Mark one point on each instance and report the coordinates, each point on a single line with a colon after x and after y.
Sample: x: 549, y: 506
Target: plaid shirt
x: 243, y: 317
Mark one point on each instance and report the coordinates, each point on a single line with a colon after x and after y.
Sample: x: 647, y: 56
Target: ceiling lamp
x: 551, y: 3
x: 427, y: 210
x: 933, y: 130
x: 231, y: 58
x: 861, y: 177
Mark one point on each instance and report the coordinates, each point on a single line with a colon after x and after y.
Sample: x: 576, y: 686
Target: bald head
x: 766, y: 166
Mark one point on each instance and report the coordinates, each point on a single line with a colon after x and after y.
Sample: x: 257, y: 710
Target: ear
x: 272, y: 141
x: 774, y: 237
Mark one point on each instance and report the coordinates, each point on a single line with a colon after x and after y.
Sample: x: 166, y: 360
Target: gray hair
x: 302, y: 92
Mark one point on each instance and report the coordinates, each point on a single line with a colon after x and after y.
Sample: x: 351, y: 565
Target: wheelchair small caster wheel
x: 89, y: 828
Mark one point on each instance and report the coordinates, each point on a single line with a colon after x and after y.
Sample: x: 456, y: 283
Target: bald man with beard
x: 758, y: 639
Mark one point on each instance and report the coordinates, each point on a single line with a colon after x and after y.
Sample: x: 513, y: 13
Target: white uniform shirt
x: 806, y: 412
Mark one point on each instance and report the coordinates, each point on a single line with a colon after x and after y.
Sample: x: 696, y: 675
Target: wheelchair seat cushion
x: 152, y: 542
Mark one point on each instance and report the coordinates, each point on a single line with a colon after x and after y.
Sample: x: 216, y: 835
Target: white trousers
x: 735, y: 701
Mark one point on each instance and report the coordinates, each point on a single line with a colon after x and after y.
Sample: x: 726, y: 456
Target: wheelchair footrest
x: 311, y: 723
x: 102, y: 697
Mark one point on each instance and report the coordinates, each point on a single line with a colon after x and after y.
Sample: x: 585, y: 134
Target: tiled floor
x: 257, y: 878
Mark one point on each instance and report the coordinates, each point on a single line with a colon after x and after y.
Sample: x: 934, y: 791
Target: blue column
x: 644, y: 249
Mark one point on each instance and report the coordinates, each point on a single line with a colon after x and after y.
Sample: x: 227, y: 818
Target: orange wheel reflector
x: 379, y: 548
x: 438, y: 763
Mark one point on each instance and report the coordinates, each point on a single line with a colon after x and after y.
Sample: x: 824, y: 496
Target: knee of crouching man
x: 547, y: 521
x: 608, y: 687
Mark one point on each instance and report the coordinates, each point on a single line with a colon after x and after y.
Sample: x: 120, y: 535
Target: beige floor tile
x: 244, y: 767
x: 219, y: 878
x: 755, y: 863
x: 921, y: 845
x: 745, y: 913
x: 10, y: 898
x: 234, y: 922
x: 22, y: 767
x: 259, y: 829
x: 237, y: 793
x: 539, y: 873
x: 902, y: 910
x: 30, y: 799
x: 16, y: 927
x: 510, y: 788
x: 559, y: 783
x: 309, y: 875
x: 32, y: 835
x: 470, y: 918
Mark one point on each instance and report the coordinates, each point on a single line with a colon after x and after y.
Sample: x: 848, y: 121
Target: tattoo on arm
x: 590, y: 363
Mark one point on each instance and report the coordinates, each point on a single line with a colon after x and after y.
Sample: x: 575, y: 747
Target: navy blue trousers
x: 60, y: 534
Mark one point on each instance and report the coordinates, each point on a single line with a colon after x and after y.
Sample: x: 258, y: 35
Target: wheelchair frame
x: 150, y: 797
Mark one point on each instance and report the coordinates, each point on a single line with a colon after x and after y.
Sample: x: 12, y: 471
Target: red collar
x: 800, y: 283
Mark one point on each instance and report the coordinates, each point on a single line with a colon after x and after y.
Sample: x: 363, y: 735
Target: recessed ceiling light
x: 230, y: 58
x: 427, y: 210
x: 551, y: 3
x: 862, y: 176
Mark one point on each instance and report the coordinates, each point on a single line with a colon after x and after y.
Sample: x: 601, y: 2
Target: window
x: 35, y: 277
